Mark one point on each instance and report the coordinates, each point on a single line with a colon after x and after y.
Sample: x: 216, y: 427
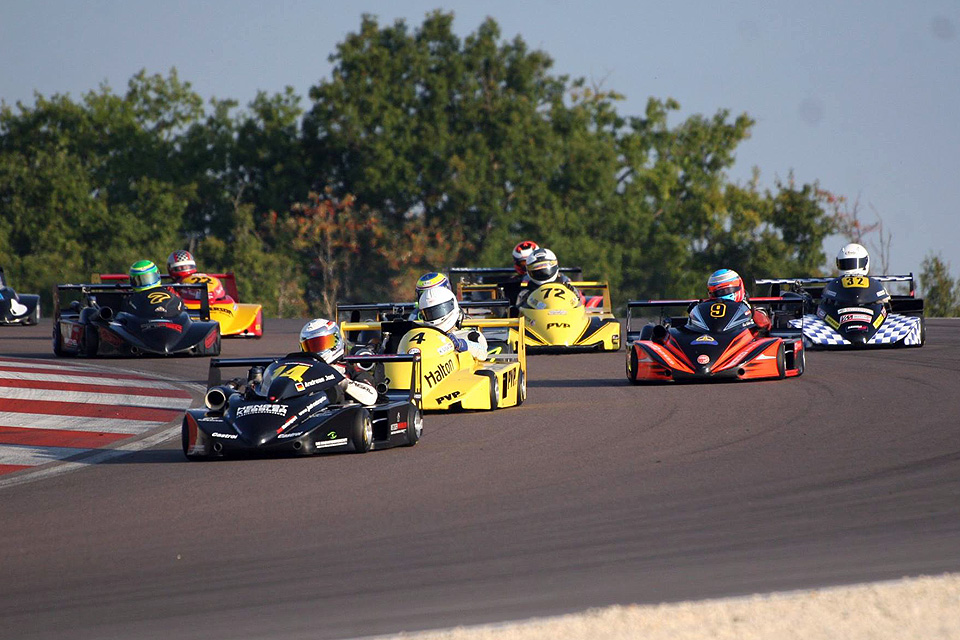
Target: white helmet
x: 853, y: 260
x: 439, y: 308
x: 322, y: 337
x: 542, y: 266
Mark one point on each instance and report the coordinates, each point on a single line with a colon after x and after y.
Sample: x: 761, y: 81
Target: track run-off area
x: 592, y: 493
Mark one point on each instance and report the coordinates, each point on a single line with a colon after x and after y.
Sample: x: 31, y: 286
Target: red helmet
x: 181, y: 264
x: 520, y: 254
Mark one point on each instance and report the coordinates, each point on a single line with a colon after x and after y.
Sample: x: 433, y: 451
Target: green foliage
x: 422, y: 150
x: 940, y: 291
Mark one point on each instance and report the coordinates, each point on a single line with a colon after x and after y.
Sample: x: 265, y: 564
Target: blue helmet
x: 726, y: 284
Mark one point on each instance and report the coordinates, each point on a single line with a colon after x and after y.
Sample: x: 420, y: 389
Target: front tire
x: 521, y: 387
x: 361, y: 433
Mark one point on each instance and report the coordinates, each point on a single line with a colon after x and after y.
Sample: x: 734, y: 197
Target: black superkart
x: 103, y: 321
x: 292, y: 406
x: 17, y: 308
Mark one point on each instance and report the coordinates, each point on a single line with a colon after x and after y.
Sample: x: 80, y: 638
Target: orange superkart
x: 718, y: 339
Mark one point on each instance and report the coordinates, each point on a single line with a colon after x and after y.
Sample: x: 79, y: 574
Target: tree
x: 941, y: 291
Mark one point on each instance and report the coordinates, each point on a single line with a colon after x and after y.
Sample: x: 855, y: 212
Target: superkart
x: 95, y: 324
x: 716, y: 340
x: 557, y: 319
x: 855, y: 312
x: 17, y: 308
x: 237, y: 319
x: 289, y: 406
x: 451, y: 380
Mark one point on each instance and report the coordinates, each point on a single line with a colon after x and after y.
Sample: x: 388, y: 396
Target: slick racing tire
x: 91, y: 341
x: 494, y: 387
x: 414, y: 426
x: 57, y: 342
x: 185, y: 442
x: 632, y: 365
x: 361, y: 433
x: 521, y: 387
x: 781, y: 361
x: 34, y: 318
x: 800, y: 362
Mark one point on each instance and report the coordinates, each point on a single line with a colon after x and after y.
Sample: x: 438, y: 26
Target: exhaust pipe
x: 217, y: 447
x: 659, y: 334
x: 216, y: 398
x: 103, y: 313
x: 297, y: 445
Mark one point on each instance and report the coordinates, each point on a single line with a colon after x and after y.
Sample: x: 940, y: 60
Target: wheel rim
x: 367, y: 430
x: 522, y: 387
x: 418, y: 424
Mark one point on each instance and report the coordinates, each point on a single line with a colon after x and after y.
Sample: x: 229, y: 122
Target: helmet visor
x: 439, y: 311
x: 141, y: 281
x: 543, y: 270
x: 849, y: 264
x: 725, y: 291
x: 319, y: 344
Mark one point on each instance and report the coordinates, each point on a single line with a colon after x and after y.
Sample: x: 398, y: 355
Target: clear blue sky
x: 862, y: 96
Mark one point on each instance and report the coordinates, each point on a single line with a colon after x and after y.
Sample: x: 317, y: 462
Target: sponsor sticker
x: 295, y: 434
x: 272, y: 409
x: 706, y: 339
x: 856, y: 317
x: 443, y: 369
x: 228, y: 436
x: 703, y: 359
x: 557, y: 312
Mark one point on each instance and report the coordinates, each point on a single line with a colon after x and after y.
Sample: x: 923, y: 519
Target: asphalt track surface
x: 592, y: 493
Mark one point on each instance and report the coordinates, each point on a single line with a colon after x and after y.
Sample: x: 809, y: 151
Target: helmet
x: 853, y: 260
x: 431, y: 280
x: 439, y: 308
x: 726, y: 284
x: 144, y: 275
x: 542, y: 266
x: 322, y: 337
x: 215, y: 289
x: 181, y: 264
x: 520, y: 254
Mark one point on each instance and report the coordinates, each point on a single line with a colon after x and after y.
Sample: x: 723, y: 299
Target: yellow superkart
x: 557, y: 319
x: 237, y: 319
x: 450, y: 379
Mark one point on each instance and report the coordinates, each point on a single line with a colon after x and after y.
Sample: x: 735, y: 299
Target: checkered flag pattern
x: 895, y: 328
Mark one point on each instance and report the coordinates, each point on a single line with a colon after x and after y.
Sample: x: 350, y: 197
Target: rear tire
x: 58, y: 343
x: 185, y: 442
x: 494, y: 387
x: 414, y: 426
x: 361, y: 433
x: 800, y: 361
x: 521, y: 387
x: 781, y: 360
x: 35, y: 316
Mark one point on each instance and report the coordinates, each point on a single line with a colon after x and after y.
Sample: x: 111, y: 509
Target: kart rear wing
x: 112, y: 295
x: 780, y: 309
x: 416, y: 396
x: 487, y: 293
x: 228, y: 280
x: 496, y: 275
x: 399, y: 328
x: 793, y: 284
x: 385, y: 311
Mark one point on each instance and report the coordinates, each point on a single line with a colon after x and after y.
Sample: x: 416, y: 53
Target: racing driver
x: 726, y: 284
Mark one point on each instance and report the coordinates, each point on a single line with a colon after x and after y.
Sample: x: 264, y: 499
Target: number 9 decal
x: 717, y: 310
